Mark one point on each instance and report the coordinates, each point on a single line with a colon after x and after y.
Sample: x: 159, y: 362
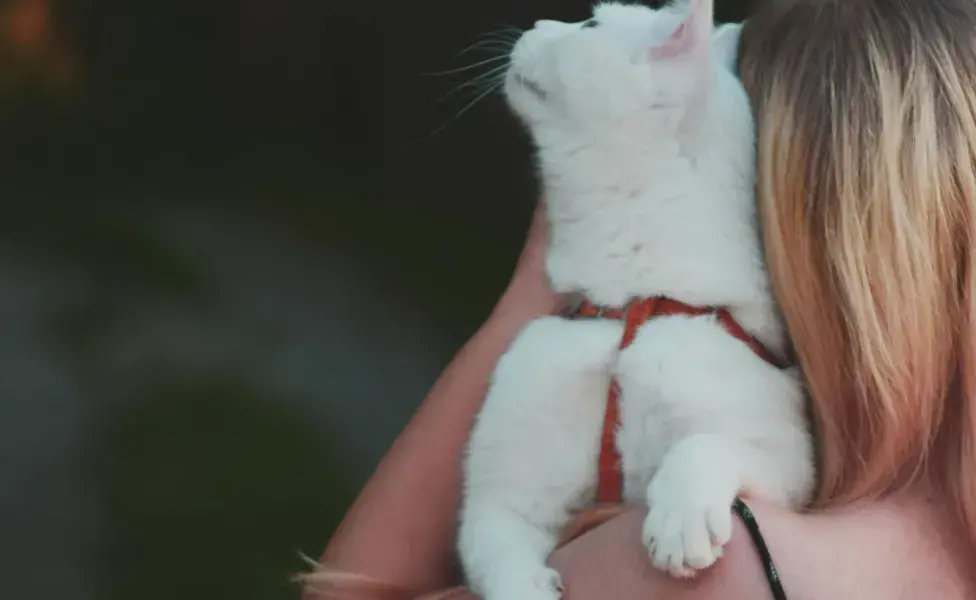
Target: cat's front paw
x: 689, y: 521
x: 538, y: 584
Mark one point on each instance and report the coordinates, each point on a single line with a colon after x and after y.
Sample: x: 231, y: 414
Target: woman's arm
x: 610, y: 561
x: 401, y: 528
x: 873, y: 551
x: 877, y: 551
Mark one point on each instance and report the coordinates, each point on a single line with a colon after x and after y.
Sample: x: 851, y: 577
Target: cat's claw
x: 549, y: 580
x: 687, y: 525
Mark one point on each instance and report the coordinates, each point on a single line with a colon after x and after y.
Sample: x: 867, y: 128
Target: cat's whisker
x: 492, y: 77
x: 472, y: 92
x: 504, y: 39
x: 478, y: 99
x: 508, y: 28
x: 487, y: 61
x: 481, y: 96
x: 482, y: 85
x: 497, y: 72
x: 497, y: 45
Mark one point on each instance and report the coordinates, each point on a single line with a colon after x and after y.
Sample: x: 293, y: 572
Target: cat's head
x: 627, y: 64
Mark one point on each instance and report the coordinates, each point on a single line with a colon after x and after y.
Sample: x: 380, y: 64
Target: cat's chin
x: 525, y: 98
x: 518, y: 85
x: 530, y: 86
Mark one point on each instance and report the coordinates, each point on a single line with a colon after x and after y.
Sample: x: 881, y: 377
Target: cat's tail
x: 326, y: 583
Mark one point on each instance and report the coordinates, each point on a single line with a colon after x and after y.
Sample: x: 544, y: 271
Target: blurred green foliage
x: 209, y: 486
x: 212, y: 490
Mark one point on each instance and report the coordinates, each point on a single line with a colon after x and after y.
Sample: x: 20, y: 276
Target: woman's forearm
x: 401, y: 528
x: 611, y: 562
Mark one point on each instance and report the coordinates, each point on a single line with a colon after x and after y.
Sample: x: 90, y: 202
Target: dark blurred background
x: 238, y: 241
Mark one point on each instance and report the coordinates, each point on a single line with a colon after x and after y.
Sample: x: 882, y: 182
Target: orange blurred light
x: 28, y: 24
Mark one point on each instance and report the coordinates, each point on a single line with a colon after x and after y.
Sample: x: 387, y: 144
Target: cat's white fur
x: 645, y: 143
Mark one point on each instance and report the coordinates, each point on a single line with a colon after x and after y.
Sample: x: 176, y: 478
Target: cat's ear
x: 725, y: 44
x: 692, y: 36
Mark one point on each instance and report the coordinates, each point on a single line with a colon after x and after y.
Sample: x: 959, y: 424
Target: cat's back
x: 657, y: 198
x: 663, y: 218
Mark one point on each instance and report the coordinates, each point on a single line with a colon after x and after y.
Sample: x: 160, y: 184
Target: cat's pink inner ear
x: 691, y: 36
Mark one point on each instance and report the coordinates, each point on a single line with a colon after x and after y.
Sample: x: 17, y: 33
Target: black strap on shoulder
x: 752, y: 526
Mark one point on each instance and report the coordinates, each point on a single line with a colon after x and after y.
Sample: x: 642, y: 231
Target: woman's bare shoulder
x: 881, y: 551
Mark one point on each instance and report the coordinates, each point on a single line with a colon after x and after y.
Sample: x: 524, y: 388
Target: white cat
x: 646, y: 150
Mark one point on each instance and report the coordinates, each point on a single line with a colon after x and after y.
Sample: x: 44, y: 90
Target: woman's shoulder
x: 884, y: 550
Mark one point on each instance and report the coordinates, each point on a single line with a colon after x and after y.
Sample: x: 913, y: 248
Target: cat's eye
x: 590, y: 23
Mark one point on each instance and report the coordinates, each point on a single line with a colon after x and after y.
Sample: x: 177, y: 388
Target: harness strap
x: 635, y: 314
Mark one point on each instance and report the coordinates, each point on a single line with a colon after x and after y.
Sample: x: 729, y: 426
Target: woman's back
x: 866, y: 117
x: 894, y: 549
x: 885, y: 550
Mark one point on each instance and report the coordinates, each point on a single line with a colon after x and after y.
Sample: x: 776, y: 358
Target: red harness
x: 634, y: 315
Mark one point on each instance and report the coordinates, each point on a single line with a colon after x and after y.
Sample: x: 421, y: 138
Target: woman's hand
x: 401, y: 528
x: 529, y: 290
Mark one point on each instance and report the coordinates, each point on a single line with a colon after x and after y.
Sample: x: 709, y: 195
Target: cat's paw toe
x: 685, y: 533
x: 549, y: 580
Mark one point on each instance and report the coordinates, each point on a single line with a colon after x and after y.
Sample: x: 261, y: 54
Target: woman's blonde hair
x: 866, y: 113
